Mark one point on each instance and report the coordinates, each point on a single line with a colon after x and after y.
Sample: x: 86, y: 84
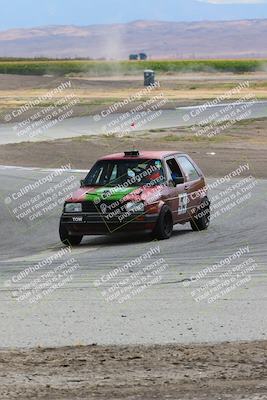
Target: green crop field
x: 98, y: 68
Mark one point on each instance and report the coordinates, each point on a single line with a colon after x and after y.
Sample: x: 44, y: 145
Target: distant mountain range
x: 221, y: 39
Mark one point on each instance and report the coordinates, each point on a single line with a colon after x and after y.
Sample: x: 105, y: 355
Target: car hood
x: 133, y: 193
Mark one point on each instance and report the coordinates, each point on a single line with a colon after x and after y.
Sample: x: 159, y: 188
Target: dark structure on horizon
x: 136, y: 57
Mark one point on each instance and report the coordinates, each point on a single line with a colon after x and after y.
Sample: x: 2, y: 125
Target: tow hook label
x: 77, y: 219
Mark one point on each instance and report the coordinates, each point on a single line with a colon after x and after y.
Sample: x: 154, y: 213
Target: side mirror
x: 178, y: 180
x: 82, y: 181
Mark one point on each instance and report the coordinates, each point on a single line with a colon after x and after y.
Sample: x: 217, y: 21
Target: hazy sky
x: 28, y: 13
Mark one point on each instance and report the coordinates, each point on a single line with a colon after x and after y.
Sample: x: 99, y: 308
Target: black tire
x: 201, y: 220
x: 67, y: 239
x: 164, y: 225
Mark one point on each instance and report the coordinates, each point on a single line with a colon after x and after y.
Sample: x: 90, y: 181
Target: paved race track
x: 78, y: 313
x: 182, y: 116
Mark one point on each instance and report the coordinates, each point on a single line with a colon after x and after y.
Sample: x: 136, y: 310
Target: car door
x: 177, y: 199
x: 194, y: 182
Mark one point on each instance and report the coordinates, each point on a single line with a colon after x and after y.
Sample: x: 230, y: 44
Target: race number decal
x: 182, y: 206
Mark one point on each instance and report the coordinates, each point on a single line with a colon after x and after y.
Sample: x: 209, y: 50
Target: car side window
x: 188, y: 168
x: 174, y: 170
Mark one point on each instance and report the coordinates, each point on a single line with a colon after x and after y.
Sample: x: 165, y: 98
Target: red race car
x: 137, y: 191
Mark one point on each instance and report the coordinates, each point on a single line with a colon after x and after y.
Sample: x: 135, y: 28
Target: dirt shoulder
x: 245, y: 142
x: 225, y: 371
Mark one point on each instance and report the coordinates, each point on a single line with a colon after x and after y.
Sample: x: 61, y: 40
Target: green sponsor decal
x: 109, y: 193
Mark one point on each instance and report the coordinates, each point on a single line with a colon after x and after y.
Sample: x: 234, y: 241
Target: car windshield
x: 125, y: 172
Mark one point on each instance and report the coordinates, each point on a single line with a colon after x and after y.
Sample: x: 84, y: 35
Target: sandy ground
x: 226, y: 371
x: 245, y: 142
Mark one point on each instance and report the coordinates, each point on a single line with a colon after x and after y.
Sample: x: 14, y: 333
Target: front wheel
x: 201, y: 220
x: 67, y: 239
x: 164, y: 225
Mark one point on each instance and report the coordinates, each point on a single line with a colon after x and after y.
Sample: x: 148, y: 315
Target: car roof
x: 148, y: 155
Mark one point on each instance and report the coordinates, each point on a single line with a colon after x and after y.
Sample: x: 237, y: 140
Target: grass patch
x: 159, y: 130
x: 83, y: 138
x: 193, y: 138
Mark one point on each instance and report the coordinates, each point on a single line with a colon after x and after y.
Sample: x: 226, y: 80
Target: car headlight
x: 134, y: 207
x: 73, y: 207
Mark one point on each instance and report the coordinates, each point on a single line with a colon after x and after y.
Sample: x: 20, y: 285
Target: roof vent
x: 133, y: 153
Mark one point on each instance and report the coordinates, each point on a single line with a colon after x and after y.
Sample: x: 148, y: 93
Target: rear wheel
x: 201, y: 220
x: 164, y: 225
x: 68, y: 239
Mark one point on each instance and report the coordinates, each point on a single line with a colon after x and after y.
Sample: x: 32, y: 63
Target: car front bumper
x: 98, y: 224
